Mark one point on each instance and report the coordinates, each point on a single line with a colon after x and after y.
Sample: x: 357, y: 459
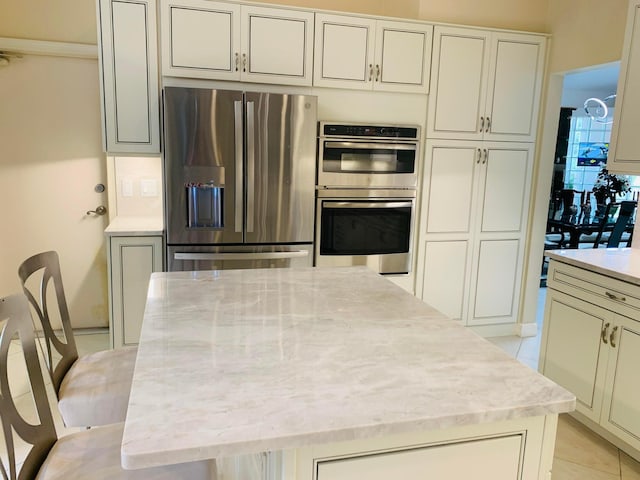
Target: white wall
x: 50, y: 161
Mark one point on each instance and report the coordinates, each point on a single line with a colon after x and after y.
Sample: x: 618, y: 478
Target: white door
x: 403, y: 57
x: 621, y: 412
x: 344, y: 52
x: 277, y: 46
x: 515, y: 82
x: 200, y: 38
x: 575, y: 353
x: 458, y: 83
x: 50, y: 161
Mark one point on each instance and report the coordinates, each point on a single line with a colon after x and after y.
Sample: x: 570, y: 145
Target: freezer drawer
x: 189, y: 258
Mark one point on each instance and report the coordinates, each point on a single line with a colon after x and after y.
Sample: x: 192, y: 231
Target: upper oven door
x: 363, y: 163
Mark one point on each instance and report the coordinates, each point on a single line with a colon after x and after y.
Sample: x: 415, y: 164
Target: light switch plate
x: 149, y: 187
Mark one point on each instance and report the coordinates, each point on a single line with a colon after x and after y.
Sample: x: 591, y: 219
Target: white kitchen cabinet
x: 624, y: 153
x: 485, y: 85
x: 227, y: 41
x: 129, y: 76
x: 369, y: 54
x: 473, y: 228
x: 591, y: 346
x: 131, y: 262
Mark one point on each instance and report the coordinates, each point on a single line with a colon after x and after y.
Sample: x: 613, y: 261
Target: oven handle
x: 367, y: 204
x: 372, y: 146
x: 240, y: 255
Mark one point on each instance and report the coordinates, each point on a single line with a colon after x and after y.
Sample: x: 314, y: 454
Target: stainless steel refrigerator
x: 240, y: 177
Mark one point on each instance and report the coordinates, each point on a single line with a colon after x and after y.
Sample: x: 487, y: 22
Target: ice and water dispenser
x: 205, y: 197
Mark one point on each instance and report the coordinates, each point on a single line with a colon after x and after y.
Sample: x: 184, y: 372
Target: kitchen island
x: 335, y: 371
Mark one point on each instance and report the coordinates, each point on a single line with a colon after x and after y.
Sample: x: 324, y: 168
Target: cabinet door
x: 344, y: 52
x: 132, y: 261
x: 444, y: 278
x: 572, y: 352
x: 621, y: 412
x: 624, y: 156
x: 504, y: 191
x: 403, y: 57
x: 277, y: 46
x: 201, y: 38
x: 484, y: 459
x: 495, y: 281
x: 515, y: 82
x: 458, y: 83
x: 129, y: 76
x: 449, y: 177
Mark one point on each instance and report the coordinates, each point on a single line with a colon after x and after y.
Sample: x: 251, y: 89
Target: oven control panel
x: 328, y: 129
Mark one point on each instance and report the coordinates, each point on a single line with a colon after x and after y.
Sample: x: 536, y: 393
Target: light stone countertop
x: 620, y: 263
x: 243, y: 361
x: 135, y: 226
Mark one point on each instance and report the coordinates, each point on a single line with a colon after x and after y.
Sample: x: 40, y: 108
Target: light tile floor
x: 580, y: 454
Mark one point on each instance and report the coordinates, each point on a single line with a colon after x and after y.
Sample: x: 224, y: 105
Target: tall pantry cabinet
x: 481, y: 128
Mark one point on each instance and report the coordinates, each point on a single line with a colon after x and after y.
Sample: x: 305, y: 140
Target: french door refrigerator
x: 240, y: 179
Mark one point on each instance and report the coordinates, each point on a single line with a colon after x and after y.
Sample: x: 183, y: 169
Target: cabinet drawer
x: 607, y: 292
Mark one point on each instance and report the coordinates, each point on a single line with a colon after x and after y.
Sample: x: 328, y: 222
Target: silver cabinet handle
x: 603, y: 334
x: 100, y: 210
x: 251, y: 164
x: 486, y: 156
x: 237, y: 61
x: 241, y: 256
x: 615, y: 297
x: 488, y: 125
x: 479, y: 156
x: 370, y: 72
x: 481, y: 124
x: 244, y: 62
x: 239, y: 207
x: 612, y: 338
x: 378, y: 71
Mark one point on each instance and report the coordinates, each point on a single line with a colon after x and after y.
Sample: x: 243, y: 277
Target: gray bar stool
x: 90, y: 454
x: 93, y: 389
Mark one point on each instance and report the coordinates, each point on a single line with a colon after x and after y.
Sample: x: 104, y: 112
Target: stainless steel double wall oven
x: 366, y: 195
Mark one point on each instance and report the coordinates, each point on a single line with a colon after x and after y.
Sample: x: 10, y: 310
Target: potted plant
x: 609, y: 186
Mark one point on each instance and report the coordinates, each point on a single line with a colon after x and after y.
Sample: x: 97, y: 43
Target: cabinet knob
x: 603, y: 334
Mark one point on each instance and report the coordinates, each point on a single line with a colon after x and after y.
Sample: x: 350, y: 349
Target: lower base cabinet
x: 132, y: 260
x: 591, y: 346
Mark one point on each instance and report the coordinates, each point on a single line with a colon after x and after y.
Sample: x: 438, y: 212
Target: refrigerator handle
x: 237, y: 107
x: 251, y: 164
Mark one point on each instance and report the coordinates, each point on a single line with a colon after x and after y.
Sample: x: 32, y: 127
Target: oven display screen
x: 364, y: 231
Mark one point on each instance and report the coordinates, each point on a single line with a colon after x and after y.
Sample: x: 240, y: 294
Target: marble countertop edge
x: 135, y: 226
x: 619, y: 263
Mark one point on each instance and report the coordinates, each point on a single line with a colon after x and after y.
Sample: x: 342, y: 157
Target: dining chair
x: 89, y: 454
x: 91, y: 389
x: 626, y: 211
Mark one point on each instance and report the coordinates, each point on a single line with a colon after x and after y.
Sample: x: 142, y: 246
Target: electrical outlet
x: 149, y: 187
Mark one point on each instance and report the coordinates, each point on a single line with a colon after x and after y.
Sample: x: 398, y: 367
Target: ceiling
x: 603, y: 77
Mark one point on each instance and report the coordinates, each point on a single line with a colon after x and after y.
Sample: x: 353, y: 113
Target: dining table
x: 314, y: 364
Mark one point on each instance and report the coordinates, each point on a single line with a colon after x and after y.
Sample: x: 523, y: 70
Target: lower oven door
x: 181, y: 258
x: 364, y: 231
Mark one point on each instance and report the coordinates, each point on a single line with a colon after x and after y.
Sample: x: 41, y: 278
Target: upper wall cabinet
x: 129, y: 76
x: 624, y: 156
x: 226, y: 41
x: 485, y: 85
x: 363, y: 53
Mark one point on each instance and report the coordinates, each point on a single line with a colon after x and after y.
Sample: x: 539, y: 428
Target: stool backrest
x: 16, y: 320
x: 45, y: 267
